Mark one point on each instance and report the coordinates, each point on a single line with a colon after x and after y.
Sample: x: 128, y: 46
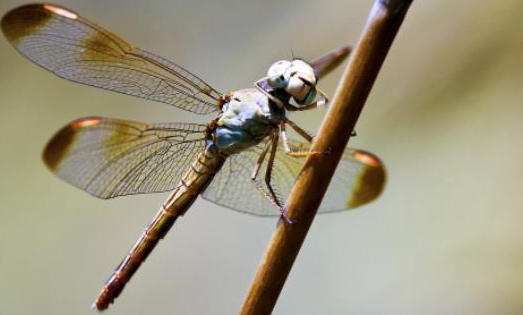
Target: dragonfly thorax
x: 247, y: 118
x: 296, y: 78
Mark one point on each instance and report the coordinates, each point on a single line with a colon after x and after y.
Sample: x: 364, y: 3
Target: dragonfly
x: 243, y: 159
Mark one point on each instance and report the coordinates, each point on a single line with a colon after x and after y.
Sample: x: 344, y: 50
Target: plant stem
x: 364, y: 64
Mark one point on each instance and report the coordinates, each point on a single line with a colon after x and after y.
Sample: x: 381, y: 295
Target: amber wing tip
x: 28, y: 19
x: 16, y: 25
x: 59, y: 145
x: 372, y: 179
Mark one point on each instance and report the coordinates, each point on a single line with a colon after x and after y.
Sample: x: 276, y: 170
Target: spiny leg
x: 322, y: 101
x: 258, y: 86
x: 273, y: 198
x: 287, y: 145
x: 268, y: 176
x: 323, y: 98
x: 259, y: 163
x: 304, y: 133
x: 256, y: 170
x: 301, y: 132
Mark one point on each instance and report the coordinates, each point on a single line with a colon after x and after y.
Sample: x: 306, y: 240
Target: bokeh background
x: 445, y: 115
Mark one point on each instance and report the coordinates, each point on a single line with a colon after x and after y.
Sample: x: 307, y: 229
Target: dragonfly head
x: 296, y: 77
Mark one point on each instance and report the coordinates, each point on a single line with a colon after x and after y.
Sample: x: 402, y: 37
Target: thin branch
x: 364, y: 64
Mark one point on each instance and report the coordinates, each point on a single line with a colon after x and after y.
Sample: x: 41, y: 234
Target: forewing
x: 110, y: 157
x: 77, y: 49
x: 359, y: 178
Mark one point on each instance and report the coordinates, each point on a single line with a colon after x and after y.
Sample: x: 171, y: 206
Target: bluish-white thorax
x: 246, y: 119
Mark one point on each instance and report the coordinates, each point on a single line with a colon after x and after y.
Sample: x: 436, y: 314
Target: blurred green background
x: 445, y: 116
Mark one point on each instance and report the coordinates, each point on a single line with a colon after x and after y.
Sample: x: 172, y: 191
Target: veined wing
x: 110, y: 157
x: 359, y: 178
x: 77, y: 49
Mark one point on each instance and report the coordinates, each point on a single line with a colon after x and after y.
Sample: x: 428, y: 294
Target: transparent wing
x: 110, y: 157
x: 76, y: 49
x: 359, y: 179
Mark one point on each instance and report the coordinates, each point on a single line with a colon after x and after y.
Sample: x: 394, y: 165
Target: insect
x: 222, y: 161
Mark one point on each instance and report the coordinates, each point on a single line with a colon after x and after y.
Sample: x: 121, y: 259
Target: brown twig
x: 364, y: 64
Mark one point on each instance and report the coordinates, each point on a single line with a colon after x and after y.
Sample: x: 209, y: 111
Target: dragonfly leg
x: 268, y: 177
x: 301, y: 132
x: 260, y: 161
x: 322, y: 101
x: 323, y: 98
x: 271, y: 195
x: 258, y: 86
x: 304, y: 133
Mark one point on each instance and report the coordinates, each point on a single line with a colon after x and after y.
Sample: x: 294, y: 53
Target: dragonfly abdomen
x: 190, y: 186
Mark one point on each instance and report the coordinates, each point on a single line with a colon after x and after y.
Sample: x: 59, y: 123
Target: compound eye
x: 297, y: 89
x: 310, y: 97
x: 276, y: 74
x: 304, y: 71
